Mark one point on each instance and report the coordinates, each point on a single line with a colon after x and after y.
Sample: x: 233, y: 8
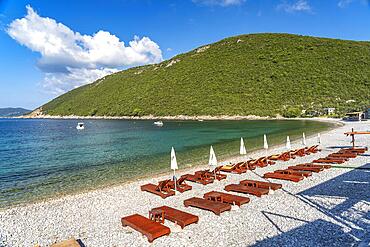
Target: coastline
x: 94, y: 216
x: 182, y: 169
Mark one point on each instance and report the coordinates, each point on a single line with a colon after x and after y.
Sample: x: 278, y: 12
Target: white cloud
x: 223, y: 3
x: 70, y: 59
x: 344, y: 3
x: 297, y: 6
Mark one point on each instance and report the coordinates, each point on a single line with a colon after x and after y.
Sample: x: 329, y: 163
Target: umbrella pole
x: 175, y: 180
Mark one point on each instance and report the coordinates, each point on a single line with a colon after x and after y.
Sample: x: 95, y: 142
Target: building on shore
x: 354, y: 116
x: 329, y: 110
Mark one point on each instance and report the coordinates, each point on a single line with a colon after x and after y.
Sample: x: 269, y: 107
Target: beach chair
x: 215, y: 207
x: 260, y: 162
x: 68, y: 243
x: 198, y: 178
x: 248, y: 166
x: 345, y: 155
x: 179, y: 217
x: 329, y: 161
x: 261, y: 184
x: 226, y: 198
x: 282, y: 157
x: 181, y: 186
x: 246, y: 189
x: 306, y: 168
x: 298, y: 172
x: 233, y: 168
x: 283, y: 176
x: 151, y: 229
x: 312, y: 149
x: 215, y: 174
x: 355, y: 150
x: 315, y: 165
x: 162, y: 189
x: 298, y: 152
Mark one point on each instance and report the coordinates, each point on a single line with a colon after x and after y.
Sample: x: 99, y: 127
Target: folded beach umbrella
x: 304, y: 139
x: 318, y: 138
x: 212, y: 159
x: 243, y: 150
x: 265, y: 144
x: 174, y: 166
x: 288, y: 145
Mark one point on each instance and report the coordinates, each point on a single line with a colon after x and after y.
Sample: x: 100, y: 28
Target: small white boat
x: 158, y: 123
x: 200, y: 120
x: 80, y: 126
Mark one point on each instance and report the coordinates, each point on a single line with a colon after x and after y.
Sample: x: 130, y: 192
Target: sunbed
x: 295, y: 172
x: 162, y: 189
x: 226, y: 198
x: 215, y: 174
x: 198, y: 179
x: 215, y: 207
x: 247, y: 189
x: 283, y: 176
x: 181, y: 186
x: 315, y: 165
x: 312, y: 149
x: 346, y: 155
x: 233, y: 168
x: 329, y: 161
x: 282, y: 157
x: 261, y: 184
x: 177, y: 216
x: 147, y: 227
x: 248, y: 166
x: 298, y: 152
x: 306, y: 168
x: 261, y: 162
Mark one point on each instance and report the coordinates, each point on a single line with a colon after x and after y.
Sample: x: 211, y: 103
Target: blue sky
x: 49, y: 47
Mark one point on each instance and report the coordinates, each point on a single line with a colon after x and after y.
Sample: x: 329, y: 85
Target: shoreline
x: 184, y: 169
x: 176, y: 117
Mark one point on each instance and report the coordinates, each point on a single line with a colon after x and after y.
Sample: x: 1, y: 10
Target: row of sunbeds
x: 214, y: 201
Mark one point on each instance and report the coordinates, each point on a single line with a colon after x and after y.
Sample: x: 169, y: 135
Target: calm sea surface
x: 44, y: 158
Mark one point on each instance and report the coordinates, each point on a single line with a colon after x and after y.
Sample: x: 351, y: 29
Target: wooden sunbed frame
x: 215, y: 207
x: 306, y: 168
x: 227, y: 198
x: 329, y: 161
x: 215, y: 174
x: 145, y: 226
x: 261, y: 184
x: 162, y: 189
x: 181, y: 186
x: 178, y: 217
x: 312, y: 149
x: 295, y: 172
x: 282, y: 157
x: 246, y: 189
x: 315, y: 165
x: 233, y: 168
x: 293, y: 178
x: 198, y: 179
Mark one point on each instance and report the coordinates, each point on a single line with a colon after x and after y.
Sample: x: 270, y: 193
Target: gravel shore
x: 331, y: 208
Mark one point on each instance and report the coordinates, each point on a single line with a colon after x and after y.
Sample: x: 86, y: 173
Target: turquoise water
x: 43, y: 158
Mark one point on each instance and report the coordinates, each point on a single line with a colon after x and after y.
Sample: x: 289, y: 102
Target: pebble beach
x: 331, y: 208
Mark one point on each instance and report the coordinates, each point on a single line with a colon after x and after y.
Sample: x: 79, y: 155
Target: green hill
x: 256, y: 74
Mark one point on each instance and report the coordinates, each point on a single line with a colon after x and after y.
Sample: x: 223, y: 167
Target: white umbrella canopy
x: 243, y: 150
x: 265, y: 144
x: 212, y: 158
x: 288, y: 145
x: 174, y: 166
x: 318, y: 138
x: 304, y: 139
x: 173, y: 160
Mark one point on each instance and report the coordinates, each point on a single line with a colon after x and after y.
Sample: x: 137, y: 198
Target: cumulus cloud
x: 345, y: 3
x: 223, y: 3
x: 70, y: 59
x: 298, y: 6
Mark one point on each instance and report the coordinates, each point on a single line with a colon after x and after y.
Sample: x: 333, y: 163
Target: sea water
x: 44, y: 158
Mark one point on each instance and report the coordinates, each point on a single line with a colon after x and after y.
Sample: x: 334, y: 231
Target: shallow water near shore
x: 42, y: 158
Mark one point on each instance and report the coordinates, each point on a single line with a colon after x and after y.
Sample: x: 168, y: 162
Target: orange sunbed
x: 177, y: 216
x: 147, y: 227
x: 261, y: 184
x: 181, y: 186
x: 226, y: 198
x: 215, y: 207
x: 162, y: 189
x: 247, y: 189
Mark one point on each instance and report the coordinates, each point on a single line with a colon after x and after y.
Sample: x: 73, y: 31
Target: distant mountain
x: 13, y: 112
x: 257, y: 74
